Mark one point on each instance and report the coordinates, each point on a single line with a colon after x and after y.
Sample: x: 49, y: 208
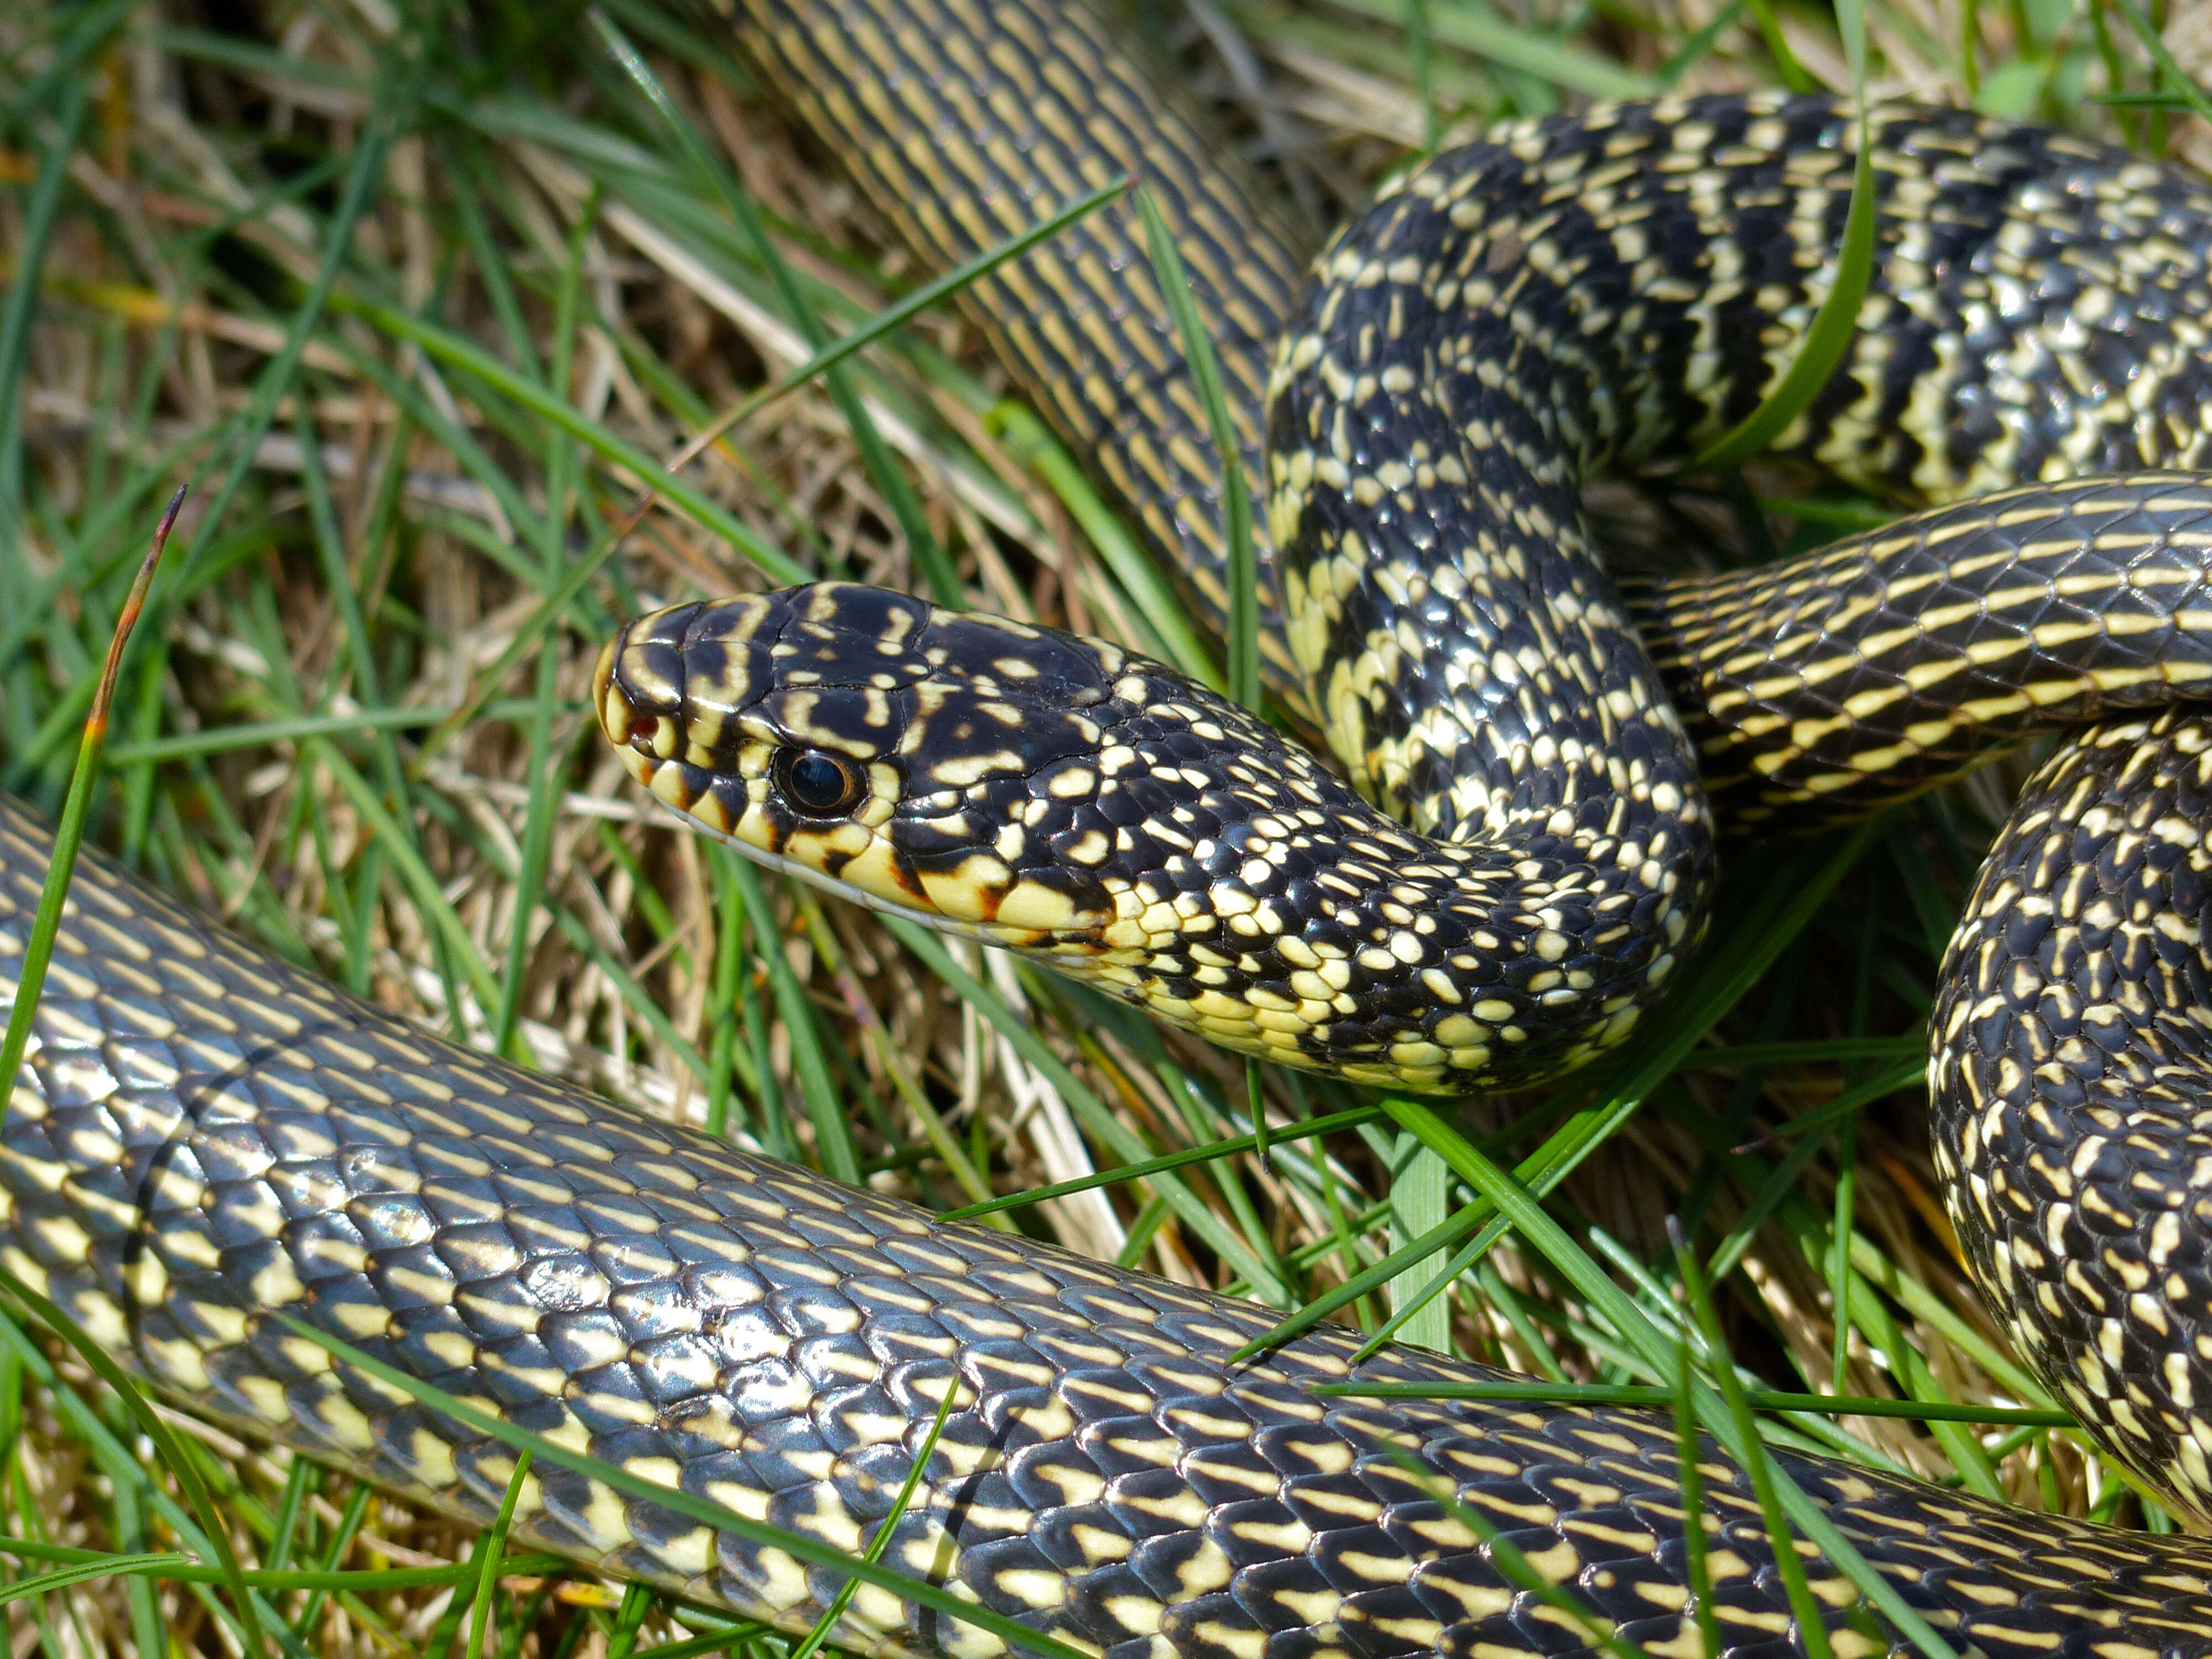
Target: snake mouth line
x: 982, y: 933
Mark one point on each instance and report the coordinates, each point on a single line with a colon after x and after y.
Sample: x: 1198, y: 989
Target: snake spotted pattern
x: 204, y: 1138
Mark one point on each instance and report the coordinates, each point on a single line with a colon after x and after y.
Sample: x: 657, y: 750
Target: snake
x: 211, y: 1152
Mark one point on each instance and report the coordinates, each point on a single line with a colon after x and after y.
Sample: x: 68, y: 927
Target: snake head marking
x: 899, y: 755
x: 1119, y: 822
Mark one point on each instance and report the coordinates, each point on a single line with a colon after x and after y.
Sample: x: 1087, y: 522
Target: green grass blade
x: 38, y: 953
x: 1699, y: 47
x: 1543, y: 1169
x: 1838, y: 319
x: 1778, y: 47
x: 897, y: 491
x: 1420, y: 1192
x: 1750, y: 1054
x: 183, y: 1569
x: 88, y: 31
x: 173, y: 1456
x: 1420, y: 59
x: 1214, y: 1150
x: 811, y: 1643
x: 1696, y: 1556
x: 812, y: 1551
x: 517, y: 388
x: 21, y: 308
x: 492, y: 1549
x: 537, y: 848
x: 1811, y: 1627
x: 259, y: 734
x: 1440, y: 1283
x: 1854, y: 1099
x: 282, y: 369
x: 1657, y: 1352
x: 1515, y: 1567
x: 1088, y: 1108
x: 637, y: 1600
x: 895, y: 1063
x: 833, y: 1136
x: 1242, y: 576
x: 895, y: 316
x: 2183, y: 85
x: 209, y: 47
x: 69, y: 833
x: 1797, y: 888
x: 398, y: 846
x: 341, y: 1539
x: 1769, y: 1196
x: 108, y: 1453
x: 1512, y: 45
x: 1764, y: 1399
x: 1162, y: 610
x: 107, y: 1566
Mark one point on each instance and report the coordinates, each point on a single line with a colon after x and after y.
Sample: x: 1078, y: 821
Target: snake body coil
x: 205, y: 1138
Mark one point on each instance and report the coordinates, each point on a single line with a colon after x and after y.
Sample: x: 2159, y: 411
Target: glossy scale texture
x: 208, y: 1137
x: 204, y: 1137
x: 1610, y: 290
x: 2071, y: 1082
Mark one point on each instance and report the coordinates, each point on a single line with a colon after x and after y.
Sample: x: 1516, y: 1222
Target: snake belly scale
x: 203, y: 1137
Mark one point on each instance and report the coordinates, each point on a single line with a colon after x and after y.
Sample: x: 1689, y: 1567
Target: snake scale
x: 204, y: 1136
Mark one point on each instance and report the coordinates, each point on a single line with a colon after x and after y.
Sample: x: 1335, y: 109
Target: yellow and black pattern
x: 2070, y: 1072
x: 1065, y: 797
x: 204, y: 1137
x: 1575, y: 296
x: 971, y: 121
x: 1830, y: 685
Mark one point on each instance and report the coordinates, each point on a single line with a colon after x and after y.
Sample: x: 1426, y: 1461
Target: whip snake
x: 203, y: 1137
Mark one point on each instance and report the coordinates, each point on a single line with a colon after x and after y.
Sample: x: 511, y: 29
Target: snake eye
x: 822, y: 786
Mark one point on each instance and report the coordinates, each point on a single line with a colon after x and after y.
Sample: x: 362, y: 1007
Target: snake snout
x: 621, y: 717
x: 664, y: 690
x: 638, y: 688
x: 673, y: 683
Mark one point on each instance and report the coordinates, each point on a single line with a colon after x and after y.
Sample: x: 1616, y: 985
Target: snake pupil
x: 817, y: 784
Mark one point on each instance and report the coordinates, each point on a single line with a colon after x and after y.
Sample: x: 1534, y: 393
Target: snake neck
x: 1066, y: 797
x: 2071, y: 1053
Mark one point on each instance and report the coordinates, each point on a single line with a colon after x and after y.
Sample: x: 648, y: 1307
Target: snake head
x: 915, y: 760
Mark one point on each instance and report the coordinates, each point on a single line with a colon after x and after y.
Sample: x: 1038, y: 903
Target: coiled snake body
x: 204, y: 1137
